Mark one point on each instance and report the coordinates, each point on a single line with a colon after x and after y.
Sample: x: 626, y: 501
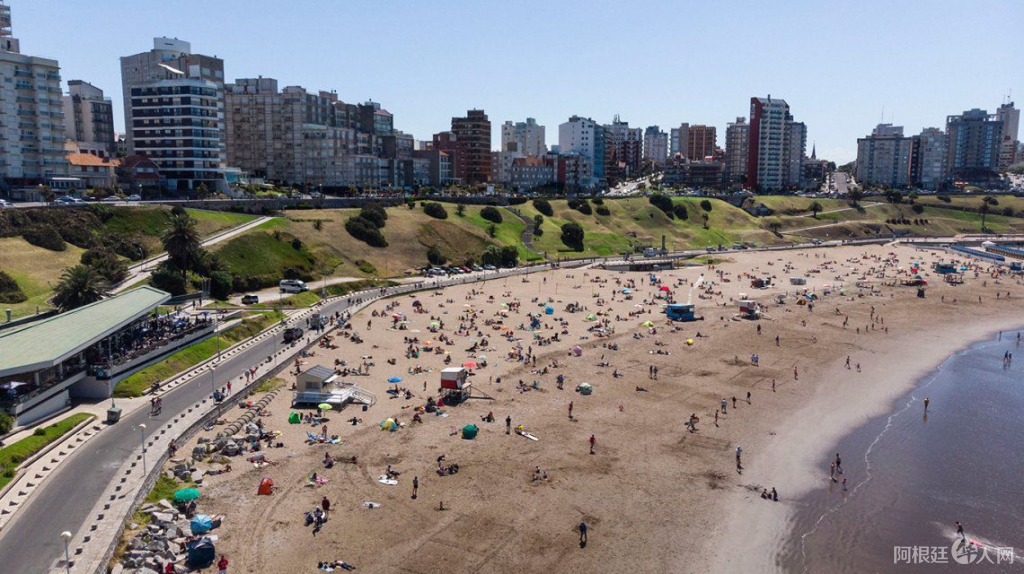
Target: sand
x: 656, y: 497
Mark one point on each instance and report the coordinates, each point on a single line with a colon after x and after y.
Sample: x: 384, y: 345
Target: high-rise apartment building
x: 884, y: 157
x: 771, y: 145
x: 796, y: 146
x: 526, y: 137
x: 1010, y: 116
x: 975, y: 139
x: 701, y: 142
x: 737, y: 136
x: 174, y: 113
x: 679, y: 138
x: 928, y: 168
x: 623, y: 150
x: 89, y: 119
x: 31, y: 113
x: 655, y: 145
x: 585, y: 137
x: 473, y: 147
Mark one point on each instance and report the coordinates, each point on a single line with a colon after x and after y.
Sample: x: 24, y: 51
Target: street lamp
x: 213, y: 386
x: 142, y: 437
x: 66, y: 537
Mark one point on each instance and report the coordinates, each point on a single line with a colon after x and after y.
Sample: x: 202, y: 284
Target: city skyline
x: 410, y: 59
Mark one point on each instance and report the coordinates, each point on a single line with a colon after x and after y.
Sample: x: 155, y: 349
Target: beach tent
x: 389, y: 425
x: 201, y: 524
x: 549, y: 310
x: 294, y: 419
x: 626, y: 291
x: 266, y: 487
x: 591, y: 317
x: 586, y: 389
x: 577, y: 350
x: 469, y: 431
x: 201, y: 552
x: 648, y: 324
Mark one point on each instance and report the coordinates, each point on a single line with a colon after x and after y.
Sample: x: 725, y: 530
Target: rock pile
x: 159, y: 542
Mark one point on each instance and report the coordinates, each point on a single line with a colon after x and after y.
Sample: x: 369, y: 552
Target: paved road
x: 141, y: 271
x: 31, y: 541
x: 841, y: 183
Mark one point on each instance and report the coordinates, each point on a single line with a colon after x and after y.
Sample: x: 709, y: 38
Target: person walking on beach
x: 222, y: 564
x: 773, y: 385
x: 960, y: 530
x: 570, y: 410
x: 748, y: 397
x: 592, y: 442
x: 734, y: 403
x: 926, y: 401
x: 716, y: 418
x: 508, y: 424
x: 326, y: 505
x: 796, y: 374
x: 415, y: 486
x: 724, y: 406
x: 739, y: 454
x: 583, y: 533
x: 839, y: 464
x: 832, y: 471
x: 847, y: 361
x: 776, y: 340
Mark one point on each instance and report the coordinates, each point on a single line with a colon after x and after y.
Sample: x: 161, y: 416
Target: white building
x: 174, y: 113
x: 883, y: 158
x: 796, y: 146
x: 655, y: 145
x: 931, y: 157
x: 678, y: 140
x: 737, y: 135
x: 585, y: 137
x: 89, y: 119
x: 501, y: 165
x: 525, y: 137
x: 775, y: 147
x: 31, y: 113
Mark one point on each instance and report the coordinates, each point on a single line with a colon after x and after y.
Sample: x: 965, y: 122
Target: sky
x: 838, y: 64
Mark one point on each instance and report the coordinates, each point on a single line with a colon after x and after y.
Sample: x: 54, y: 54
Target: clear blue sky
x: 660, y: 62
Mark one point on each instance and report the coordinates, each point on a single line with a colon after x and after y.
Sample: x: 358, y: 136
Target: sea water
x: 911, y: 475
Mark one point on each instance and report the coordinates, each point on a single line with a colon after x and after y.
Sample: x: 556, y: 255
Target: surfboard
x: 528, y: 435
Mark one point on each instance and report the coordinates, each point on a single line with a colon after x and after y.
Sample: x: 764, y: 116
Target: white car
x: 111, y: 199
x: 5, y: 203
x: 135, y: 197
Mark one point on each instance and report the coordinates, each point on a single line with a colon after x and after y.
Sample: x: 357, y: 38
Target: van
x: 292, y: 286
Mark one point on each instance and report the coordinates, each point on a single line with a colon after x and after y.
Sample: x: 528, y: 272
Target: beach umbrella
x: 435, y: 324
x: 648, y: 324
x: 626, y: 291
x: 395, y: 380
x: 664, y: 288
x: 201, y: 524
x: 469, y: 431
x: 469, y: 364
x: 396, y: 315
x: 388, y: 425
x: 586, y: 389
x: 504, y: 305
x: 591, y: 317
x: 324, y: 407
x: 186, y: 494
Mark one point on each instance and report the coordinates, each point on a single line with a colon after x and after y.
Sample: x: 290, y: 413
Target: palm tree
x: 181, y: 242
x: 79, y: 285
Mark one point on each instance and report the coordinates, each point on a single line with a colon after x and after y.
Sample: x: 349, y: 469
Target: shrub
x: 681, y: 212
x: 581, y: 205
x: 602, y: 210
x: 662, y: 202
x: 572, y: 236
x: 435, y: 210
x: 491, y: 214
x: 45, y: 236
x: 917, y: 208
x: 296, y: 243
x: 1008, y: 211
x: 10, y: 292
x: 538, y: 221
x: 220, y: 285
x: 991, y: 200
x: 375, y: 214
x: 460, y: 210
x: 518, y: 200
x: 705, y: 205
x: 597, y: 201
x: 6, y: 424
x: 543, y: 206
x: 435, y: 257
x: 500, y: 256
x: 366, y: 231
x: 169, y: 278
x: 944, y: 198
x: 178, y: 210
x: 492, y: 231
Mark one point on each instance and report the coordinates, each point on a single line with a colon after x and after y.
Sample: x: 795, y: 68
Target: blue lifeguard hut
x: 944, y: 268
x: 681, y: 312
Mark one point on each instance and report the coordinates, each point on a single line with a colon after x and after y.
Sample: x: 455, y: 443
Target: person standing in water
x: 926, y: 401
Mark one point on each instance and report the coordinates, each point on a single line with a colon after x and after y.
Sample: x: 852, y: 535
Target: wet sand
x: 656, y: 497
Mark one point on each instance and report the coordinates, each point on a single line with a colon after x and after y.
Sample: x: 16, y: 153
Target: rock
x: 163, y: 502
x: 117, y: 569
x: 197, y: 477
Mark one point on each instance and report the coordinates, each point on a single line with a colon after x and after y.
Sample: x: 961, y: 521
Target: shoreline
x: 797, y: 456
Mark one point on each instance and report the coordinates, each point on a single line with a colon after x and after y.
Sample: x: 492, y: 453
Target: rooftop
x: 87, y: 159
x: 47, y: 342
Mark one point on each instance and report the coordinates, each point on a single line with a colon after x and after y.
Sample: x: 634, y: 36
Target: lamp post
x: 66, y: 537
x: 213, y: 387
x: 142, y: 438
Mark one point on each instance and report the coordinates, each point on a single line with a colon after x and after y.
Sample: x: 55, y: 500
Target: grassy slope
x: 135, y: 384
x: 149, y: 223
x: 13, y: 455
x: 34, y: 268
x: 973, y: 201
x: 259, y: 253
x: 607, y: 235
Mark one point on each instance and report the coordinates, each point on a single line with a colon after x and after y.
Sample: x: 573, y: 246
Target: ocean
x: 910, y: 476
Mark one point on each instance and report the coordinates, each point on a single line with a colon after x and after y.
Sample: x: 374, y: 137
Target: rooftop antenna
x: 883, y: 114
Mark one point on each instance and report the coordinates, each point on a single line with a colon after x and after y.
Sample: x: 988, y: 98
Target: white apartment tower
x: 174, y: 113
x: 655, y: 145
x: 585, y: 137
x: 526, y: 137
x: 884, y: 157
x: 679, y: 139
x: 89, y: 119
x: 775, y: 147
x: 31, y: 113
x: 1010, y: 116
x: 737, y: 135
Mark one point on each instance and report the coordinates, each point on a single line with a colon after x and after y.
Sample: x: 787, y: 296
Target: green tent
x: 469, y: 431
x: 294, y: 419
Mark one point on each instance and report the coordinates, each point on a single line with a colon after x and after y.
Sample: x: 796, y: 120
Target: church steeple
x: 814, y: 151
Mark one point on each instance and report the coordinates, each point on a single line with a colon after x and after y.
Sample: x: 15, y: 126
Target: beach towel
x: 386, y: 480
x: 371, y: 504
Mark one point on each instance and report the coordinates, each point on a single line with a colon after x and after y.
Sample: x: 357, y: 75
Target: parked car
x: 292, y: 286
x: 111, y: 199
x: 490, y: 267
x: 5, y: 203
x: 134, y: 197
x: 68, y: 200
x: 292, y: 334
x: 250, y: 299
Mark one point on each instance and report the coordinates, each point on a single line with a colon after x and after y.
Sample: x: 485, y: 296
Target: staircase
x: 361, y: 395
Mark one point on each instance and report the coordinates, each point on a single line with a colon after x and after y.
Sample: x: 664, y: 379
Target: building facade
x: 584, y: 137
x: 678, y: 140
x: 737, y: 135
x: 623, y: 150
x: 31, y: 113
x: 770, y: 145
x: 796, y: 146
x: 930, y: 153
x: 884, y: 157
x: 531, y: 172
x: 1010, y: 116
x: 526, y: 137
x: 473, y: 147
x: 174, y: 113
x: 655, y: 145
x: 89, y: 119
x: 701, y: 142
x: 975, y: 139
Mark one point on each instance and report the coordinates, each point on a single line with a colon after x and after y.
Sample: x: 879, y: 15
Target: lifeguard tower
x: 455, y: 385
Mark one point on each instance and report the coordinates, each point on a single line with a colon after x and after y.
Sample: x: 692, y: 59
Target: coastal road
x: 842, y: 183
x: 31, y: 544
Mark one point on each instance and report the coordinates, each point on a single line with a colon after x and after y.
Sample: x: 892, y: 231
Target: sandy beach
x: 656, y: 498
